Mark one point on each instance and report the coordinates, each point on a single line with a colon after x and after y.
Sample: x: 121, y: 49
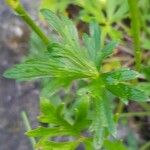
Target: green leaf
x: 95, y: 39
x: 81, y: 113
x: 95, y: 35
x: 108, y: 110
x: 54, y: 5
x: 46, y: 107
x: 87, y: 40
x: 47, y: 66
x: 50, y: 145
x: 146, y: 71
x: 125, y: 91
x: 63, y: 60
x: 108, y: 49
x: 54, y: 85
x: 49, y: 132
x: 36, y: 45
x: 68, y: 27
x: 110, y: 8
x: 102, y: 119
x: 145, y: 86
x: 53, y: 20
x: 114, y: 145
x: 116, y: 76
x: 32, y: 68
x: 88, y: 144
x: 48, y: 112
x: 122, y: 11
x: 53, y: 114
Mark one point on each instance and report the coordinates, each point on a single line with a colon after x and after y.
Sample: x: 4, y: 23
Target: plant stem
x: 27, y: 126
x: 120, y: 107
x: 135, y: 28
x: 20, y: 10
x: 132, y: 114
x: 145, y: 146
x: 145, y: 106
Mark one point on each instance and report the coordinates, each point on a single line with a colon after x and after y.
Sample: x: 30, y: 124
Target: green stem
x: 28, y: 127
x: 145, y: 106
x: 120, y: 107
x: 135, y: 28
x: 132, y: 114
x: 145, y: 146
x: 20, y: 10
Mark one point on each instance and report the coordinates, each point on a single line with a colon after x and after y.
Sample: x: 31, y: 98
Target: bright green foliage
x: 51, y: 86
x: 106, y: 13
x: 114, y: 145
x: 146, y: 71
x: 50, y: 145
x: 127, y: 92
x: 116, y: 76
x: 59, y: 125
x: 66, y: 60
x: 54, y: 5
x: 36, y: 45
x: 144, y: 18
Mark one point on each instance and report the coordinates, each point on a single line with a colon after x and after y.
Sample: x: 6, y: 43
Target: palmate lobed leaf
x: 69, y: 60
x: 53, y: 85
x: 123, y: 74
x: 127, y: 92
x: 60, y: 127
x: 81, y: 114
x: 116, y: 10
x: 64, y: 60
x: 103, y: 121
x: 92, y: 42
x: 51, y: 114
x: 63, y: 26
x: 43, y: 67
x: 103, y: 115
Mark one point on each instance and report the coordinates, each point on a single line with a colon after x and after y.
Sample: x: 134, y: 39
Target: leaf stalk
x: 16, y: 6
x: 135, y: 28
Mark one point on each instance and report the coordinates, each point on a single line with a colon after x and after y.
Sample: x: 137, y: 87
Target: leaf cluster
x: 65, y: 61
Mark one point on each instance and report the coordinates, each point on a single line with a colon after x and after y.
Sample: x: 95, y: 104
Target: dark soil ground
x: 15, y: 97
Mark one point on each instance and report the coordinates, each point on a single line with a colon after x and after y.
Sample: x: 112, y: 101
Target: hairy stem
x: 20, y: 10
x: 135, y: 27
x: 27, y: 126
